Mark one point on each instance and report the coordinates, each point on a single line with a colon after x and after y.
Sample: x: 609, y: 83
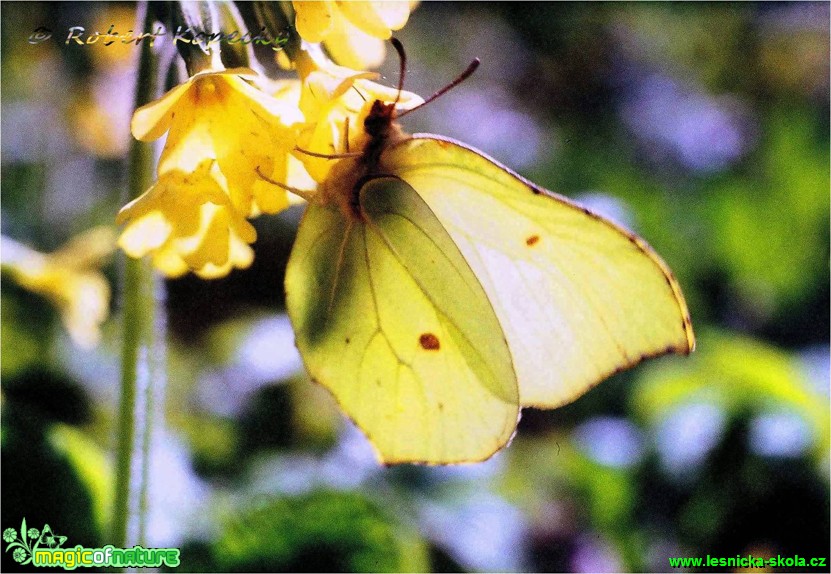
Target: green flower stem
x: 141, y: 368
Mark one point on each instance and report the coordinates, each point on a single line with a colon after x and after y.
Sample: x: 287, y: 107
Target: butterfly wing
x: 390, y: 318
x: 578, y: 298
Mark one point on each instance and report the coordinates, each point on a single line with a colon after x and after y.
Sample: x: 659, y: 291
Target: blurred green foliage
x: 705, y: 125
x: 52, y: 473
x: 323, y: 531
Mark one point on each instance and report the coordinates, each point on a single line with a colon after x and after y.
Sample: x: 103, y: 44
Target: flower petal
x: 352, y: 47
x: 313, y: 19
x: 145, y: 234
x: 88, y: 249
x: 210, y: 243
x: 376, y: 18
x: 395, y: 14
x: 169, y: 262
x: 87, y: 306
x: 240, y: 256
x: 152, y: 120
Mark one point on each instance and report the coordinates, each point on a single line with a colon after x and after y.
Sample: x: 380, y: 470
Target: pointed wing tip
x: 688, y: 331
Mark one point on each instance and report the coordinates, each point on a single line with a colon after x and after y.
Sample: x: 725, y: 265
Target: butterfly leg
x: 328, y: 155
x: 346, y: 134
x: 309, y: 196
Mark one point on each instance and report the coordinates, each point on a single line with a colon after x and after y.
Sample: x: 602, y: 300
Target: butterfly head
x: 380, y: 118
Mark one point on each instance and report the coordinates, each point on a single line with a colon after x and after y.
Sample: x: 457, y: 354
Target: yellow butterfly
x: 435, y: 292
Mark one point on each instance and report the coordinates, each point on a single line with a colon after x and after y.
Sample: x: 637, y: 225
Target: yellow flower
x: 217, y: 116
x: 331, y: 97
x: 353, y: 31
x: 224, y: 138
x: 187, y: 221
x: 70, y: 278
x: 293, y: 173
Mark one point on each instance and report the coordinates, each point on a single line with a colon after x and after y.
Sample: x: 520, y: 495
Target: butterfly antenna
x: 357, y: 91
x: 462, y: 77
x: 402, y: 59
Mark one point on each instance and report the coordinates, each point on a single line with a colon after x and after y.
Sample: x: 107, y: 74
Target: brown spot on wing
x: 429, y: 342
x: 532, y: 240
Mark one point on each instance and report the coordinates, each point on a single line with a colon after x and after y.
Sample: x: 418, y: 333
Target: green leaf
x: 92, y: 466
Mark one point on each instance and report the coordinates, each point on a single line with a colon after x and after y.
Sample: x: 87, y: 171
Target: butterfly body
x: 380, y: 127
x: 348, y: 176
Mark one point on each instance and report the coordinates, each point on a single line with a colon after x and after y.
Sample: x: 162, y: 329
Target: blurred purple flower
x: 492, y: 121
x: 704, y: 133
x: 594, y: 554
x: 610, y: 441
x: 779, y: 434
x: 687, y: 436
x: 483, y: 532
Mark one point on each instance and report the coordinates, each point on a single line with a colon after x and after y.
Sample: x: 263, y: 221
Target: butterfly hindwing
x: 577, y: 297
x: 391, y: 319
